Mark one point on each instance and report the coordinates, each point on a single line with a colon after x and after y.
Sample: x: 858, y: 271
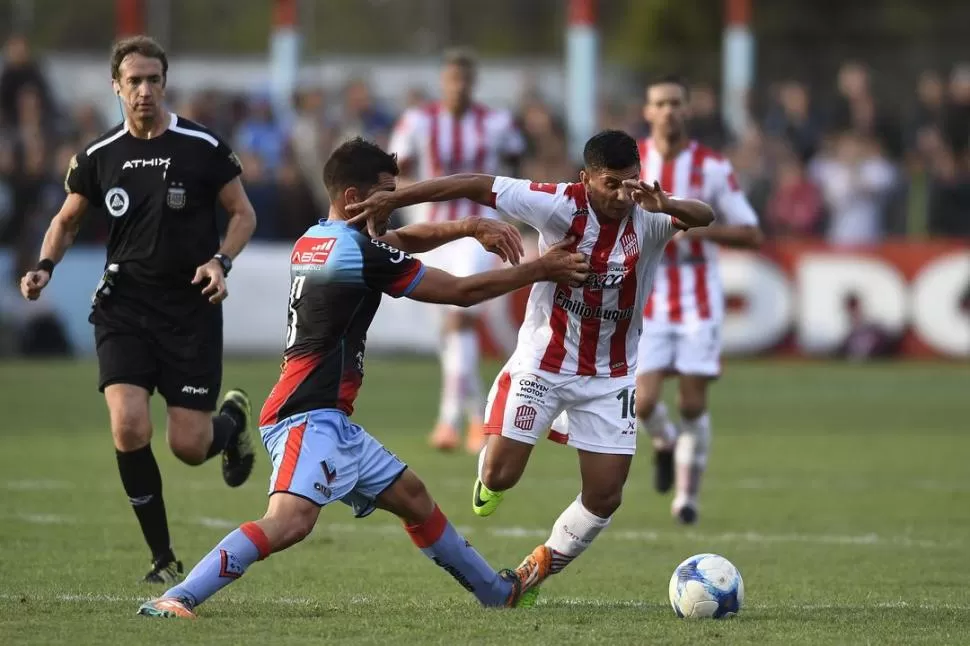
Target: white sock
x: 481, y: 461
x: 659, y: 426
x: 449, y: 410
x: 691, y: 458
x: 572, y: 533
x: 472, y: 402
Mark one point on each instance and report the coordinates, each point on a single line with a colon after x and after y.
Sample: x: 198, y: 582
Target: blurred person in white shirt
x: 856, y: 179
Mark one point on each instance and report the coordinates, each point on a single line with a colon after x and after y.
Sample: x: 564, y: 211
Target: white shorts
x: 463, y: 257
x: 684, y: 348
x: 599, y: 411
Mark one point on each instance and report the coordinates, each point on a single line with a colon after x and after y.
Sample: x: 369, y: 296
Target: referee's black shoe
x: 238, y: 457
x: 166, y: 570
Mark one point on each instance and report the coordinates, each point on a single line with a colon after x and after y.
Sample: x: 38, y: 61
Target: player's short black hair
x: 357, y: 163
x: 611, y: 149
x: 461, y: 57
x: 670, y: 79
x: 143, y: 45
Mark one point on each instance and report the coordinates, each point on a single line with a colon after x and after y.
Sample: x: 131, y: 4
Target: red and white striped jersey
x: 440, y: 144
x: 593, y: 329
x: 688, y: 285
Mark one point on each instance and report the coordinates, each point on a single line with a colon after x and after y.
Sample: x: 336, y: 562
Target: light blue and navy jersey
x: 337, y: 276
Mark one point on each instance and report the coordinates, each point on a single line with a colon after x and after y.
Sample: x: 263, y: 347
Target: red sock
x: 256, y: 534
x: 427, y: 533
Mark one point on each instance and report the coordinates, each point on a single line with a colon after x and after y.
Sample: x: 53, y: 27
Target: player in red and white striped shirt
x: 456, y: 135
x: 577, y: 348
x: 683, y: 316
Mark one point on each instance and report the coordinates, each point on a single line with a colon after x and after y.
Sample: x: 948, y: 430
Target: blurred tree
x: 649, y: 36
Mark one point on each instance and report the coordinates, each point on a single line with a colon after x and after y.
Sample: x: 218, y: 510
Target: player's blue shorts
x: 322, y: 456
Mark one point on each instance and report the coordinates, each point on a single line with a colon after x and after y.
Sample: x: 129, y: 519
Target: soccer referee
x: 157, y: 312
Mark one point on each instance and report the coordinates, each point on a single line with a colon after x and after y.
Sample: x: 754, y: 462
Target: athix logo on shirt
x: 147, y: 163
x: 312, y: 252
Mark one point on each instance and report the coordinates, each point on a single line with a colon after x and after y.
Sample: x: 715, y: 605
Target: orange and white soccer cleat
x: 167, y: 608
x: 444, y: 438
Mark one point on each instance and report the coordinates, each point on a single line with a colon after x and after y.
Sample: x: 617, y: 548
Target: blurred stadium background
x: 802, y: 97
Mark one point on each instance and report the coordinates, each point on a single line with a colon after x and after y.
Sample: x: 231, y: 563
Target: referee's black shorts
x: 173, y: 345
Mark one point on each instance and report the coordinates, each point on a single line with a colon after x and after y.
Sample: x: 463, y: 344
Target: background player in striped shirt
x: 577, y: 349
x: 682, y: 318
x: 338, y: 277
x: 457, y: 135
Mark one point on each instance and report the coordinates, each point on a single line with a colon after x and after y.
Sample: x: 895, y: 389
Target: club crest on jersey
x: 175, y: 197
x: 525, y: 417
x: 630, y: 244
x: 312, y: 253
x: 116, y: 200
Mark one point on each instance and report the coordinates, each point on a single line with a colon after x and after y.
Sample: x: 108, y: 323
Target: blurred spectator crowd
x: 852, y: 169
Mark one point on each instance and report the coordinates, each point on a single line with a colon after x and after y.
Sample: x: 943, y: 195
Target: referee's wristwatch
x: 225, y: 261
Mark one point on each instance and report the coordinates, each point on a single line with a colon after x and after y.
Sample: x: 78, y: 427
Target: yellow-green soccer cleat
x: 484, y: 500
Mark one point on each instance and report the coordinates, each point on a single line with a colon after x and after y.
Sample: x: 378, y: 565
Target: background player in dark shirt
x: 158, y: 314
x: 338, y: 276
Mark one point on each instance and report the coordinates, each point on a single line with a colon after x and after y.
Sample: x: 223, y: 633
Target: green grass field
x: 841, y: 492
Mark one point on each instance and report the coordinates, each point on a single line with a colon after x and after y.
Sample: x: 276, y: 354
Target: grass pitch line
x: 547, y: 602
x: 745, y: 484
x: 641, y: 536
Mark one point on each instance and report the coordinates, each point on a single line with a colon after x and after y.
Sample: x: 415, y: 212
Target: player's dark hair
x: 461, y: 57
x: 143, y: 45
x: 670, y: 79
x: 357, y: 163
x: 611, y: 149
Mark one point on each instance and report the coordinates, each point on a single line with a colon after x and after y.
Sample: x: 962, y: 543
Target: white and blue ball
x: 706, y: 586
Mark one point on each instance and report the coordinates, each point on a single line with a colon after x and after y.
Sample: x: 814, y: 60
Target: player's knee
x: 187, y: 448
x: 644, y: 406
x: 416, y: 504
x: 500, y: 476
x: 692, y: 404
x: 130, y: 430
x: 294, y: 526
x: 692, y: 400
x: 603, y: 503
x: 691, y: 409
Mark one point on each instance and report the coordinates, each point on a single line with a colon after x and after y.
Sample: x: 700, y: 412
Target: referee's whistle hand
x: 213, y: 280
x: 32, y: 283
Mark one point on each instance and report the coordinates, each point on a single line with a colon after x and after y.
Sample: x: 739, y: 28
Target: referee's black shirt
x: 160, y: 196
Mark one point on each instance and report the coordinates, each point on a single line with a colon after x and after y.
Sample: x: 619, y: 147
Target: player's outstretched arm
x: 376, y: 210
x: 687, y: 213
x: 60, y: 235
x: 556, y: 265
x: 496, y: 236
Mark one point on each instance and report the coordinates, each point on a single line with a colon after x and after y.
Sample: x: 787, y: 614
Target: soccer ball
x: 706, y: 585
